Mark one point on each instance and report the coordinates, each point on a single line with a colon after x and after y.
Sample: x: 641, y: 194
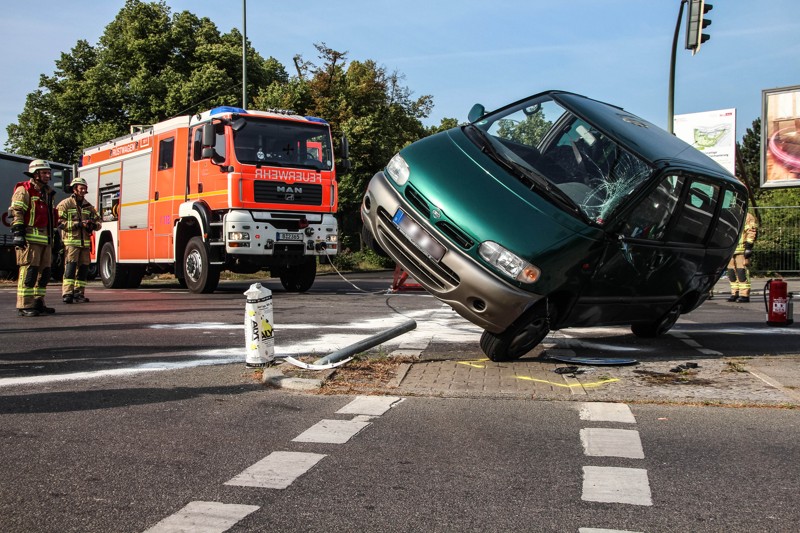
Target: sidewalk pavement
x: 761, y: 380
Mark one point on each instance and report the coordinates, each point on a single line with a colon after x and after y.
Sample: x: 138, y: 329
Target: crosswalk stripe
x: 277, y: 470
x: 616, y: 485
x: 369, y: 405
x: 607, y: 442
x: 331, y: 431
x: 203, y: 517
x: 606, y: 412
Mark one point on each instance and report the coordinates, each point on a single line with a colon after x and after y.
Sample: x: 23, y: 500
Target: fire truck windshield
x: 283, y: 143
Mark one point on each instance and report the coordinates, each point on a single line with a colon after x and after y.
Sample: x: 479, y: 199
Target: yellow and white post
x: 258, y: 332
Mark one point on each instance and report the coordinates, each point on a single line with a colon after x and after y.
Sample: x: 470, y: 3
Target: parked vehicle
x: 12, y: 167
x: 557, y: 211
x: 228, y: 188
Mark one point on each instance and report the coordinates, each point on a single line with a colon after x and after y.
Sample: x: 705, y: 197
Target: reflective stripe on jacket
x: 71, y: 216
x: 33, y: 208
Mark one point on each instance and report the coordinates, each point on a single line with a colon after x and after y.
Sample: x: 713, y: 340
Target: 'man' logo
x: 290, y: 190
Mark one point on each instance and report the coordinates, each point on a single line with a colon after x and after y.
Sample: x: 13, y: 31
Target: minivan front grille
x: 418, y: 201
x: 455, y: 234
x: 426, y: 271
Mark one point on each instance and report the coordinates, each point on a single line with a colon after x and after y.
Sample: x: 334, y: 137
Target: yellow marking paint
x: 594, y: 384
x: 472, y: 363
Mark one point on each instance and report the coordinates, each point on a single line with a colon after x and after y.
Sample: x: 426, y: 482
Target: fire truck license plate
x: 290, y: 236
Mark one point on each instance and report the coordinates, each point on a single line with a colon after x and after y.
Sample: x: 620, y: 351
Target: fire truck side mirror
x: 209, y: 140
x: 345, y: 153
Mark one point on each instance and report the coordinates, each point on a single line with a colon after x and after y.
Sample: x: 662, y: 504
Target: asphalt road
x: 159, y: 415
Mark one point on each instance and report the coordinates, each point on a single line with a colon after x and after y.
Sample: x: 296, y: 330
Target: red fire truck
x: 227, y: 189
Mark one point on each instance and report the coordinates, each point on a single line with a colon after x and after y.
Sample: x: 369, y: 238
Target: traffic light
x: 696, y: 23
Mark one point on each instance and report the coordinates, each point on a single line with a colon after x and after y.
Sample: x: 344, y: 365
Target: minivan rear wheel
x: 660, y: 326
x: 521, y: 337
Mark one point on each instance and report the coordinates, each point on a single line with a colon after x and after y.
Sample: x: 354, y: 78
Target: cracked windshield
x: 585, y: 165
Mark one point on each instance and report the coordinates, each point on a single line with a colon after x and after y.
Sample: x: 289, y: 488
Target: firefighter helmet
x: 37, y: 164
x: 79, y: 181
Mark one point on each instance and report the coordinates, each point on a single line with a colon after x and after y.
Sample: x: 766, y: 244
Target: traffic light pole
x: 671, y: 102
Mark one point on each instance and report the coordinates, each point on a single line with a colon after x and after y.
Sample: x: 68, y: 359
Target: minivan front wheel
x: 660, y: 326
x: 521, y: 337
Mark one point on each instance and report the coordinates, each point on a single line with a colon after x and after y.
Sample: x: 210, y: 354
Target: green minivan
x: 556, y: 211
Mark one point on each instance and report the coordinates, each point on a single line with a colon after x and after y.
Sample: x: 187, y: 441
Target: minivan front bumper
x: 468, y: 287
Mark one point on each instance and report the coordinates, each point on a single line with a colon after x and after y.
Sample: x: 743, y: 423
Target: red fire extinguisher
x: 778, y: 303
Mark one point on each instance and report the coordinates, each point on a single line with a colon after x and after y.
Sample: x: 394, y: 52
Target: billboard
x: 711, y: 132
x: 780, y: 137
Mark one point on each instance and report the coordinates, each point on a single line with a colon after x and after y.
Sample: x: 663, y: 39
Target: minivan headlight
x: 398, y: 169
x: 508, y: 262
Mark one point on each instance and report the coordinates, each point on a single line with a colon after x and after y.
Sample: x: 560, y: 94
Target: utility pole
x: 671, y: 102
x: 244, y: 54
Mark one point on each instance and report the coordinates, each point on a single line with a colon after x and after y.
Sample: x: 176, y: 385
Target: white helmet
x: 37, y: 164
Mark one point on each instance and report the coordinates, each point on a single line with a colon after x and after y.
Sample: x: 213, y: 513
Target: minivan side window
x: 727, y: 229
x: 650, y: 218
x: 697, y: 214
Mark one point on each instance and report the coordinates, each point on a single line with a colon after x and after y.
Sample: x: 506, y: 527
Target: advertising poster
x: 780, y: 137
x: 711, y: 132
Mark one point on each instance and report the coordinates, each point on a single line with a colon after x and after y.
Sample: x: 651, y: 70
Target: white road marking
x: 203, y: 517
x: 600, y: 530
x: 277, y: 470
x: 606, y: 412
x: 616, y: 485
x: 331, y: 431
x: 370, y: 405
x: 607, y: 442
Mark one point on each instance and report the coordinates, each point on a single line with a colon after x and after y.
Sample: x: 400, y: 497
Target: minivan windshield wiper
x: 533, y: 179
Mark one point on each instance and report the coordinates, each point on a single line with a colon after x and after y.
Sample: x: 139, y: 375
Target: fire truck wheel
x: 200, y: 275
x: 114, y: 275
x: 299, y: 278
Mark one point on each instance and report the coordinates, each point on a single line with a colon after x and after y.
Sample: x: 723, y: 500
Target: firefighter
x: 739, y: 266
x: 32, y: 226
x: 77, y: 220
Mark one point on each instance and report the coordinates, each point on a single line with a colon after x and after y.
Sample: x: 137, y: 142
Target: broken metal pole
x: 367, y: 343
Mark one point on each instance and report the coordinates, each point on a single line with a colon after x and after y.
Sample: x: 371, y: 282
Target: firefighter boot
x: 79, y: 298
x: 734, y: 297
x: 67, y: 298
x: 38, y: 304
x: 27, y: 312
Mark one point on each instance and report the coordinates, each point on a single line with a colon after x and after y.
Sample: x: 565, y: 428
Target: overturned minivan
x: 556, y: 211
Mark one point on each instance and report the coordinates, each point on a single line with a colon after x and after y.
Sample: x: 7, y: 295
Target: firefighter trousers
x: 76, y: 271
x: 34, y: 273
x: 739, y: 276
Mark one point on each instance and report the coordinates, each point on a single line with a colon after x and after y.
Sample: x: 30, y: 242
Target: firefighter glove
x: 748, y: 250
x: 20, y: 241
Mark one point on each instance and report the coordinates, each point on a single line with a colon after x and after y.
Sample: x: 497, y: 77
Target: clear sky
x: 467, y: 51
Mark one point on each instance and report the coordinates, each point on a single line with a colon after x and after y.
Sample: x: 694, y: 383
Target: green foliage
x: 528, y: 132
x: 148, y: 65
x: 361, y: 260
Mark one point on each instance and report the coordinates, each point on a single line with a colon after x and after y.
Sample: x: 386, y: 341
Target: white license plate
x: 290, y: 236
x: 418, y: 236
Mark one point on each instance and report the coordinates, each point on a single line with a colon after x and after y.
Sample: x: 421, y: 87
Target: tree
x: 363, y: 101
x: 147, y: 66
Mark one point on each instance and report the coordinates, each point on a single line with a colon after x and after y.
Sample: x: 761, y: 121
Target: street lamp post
x: 244, y: 54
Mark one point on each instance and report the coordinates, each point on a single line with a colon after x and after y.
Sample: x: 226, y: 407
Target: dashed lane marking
x: 616, y: 485
x: 370, y: 405
x: 607, y: 442
x: 331, y: 431
x: 203, y: 517
x: 277, y: 470
x: 606, y: 412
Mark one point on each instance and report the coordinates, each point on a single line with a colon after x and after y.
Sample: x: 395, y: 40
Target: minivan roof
x: 638, y: 135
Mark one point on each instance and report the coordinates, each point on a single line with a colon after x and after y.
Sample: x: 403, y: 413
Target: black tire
x: 521, y: 337
x: 299, y: 278
x: 135, y: 275
x: 200, y: 275
x: 114, y: 275
x: 660, y: 326
x: 94, y: 271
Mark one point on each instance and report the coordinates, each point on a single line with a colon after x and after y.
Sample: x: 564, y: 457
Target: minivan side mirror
x: 476, y: 112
